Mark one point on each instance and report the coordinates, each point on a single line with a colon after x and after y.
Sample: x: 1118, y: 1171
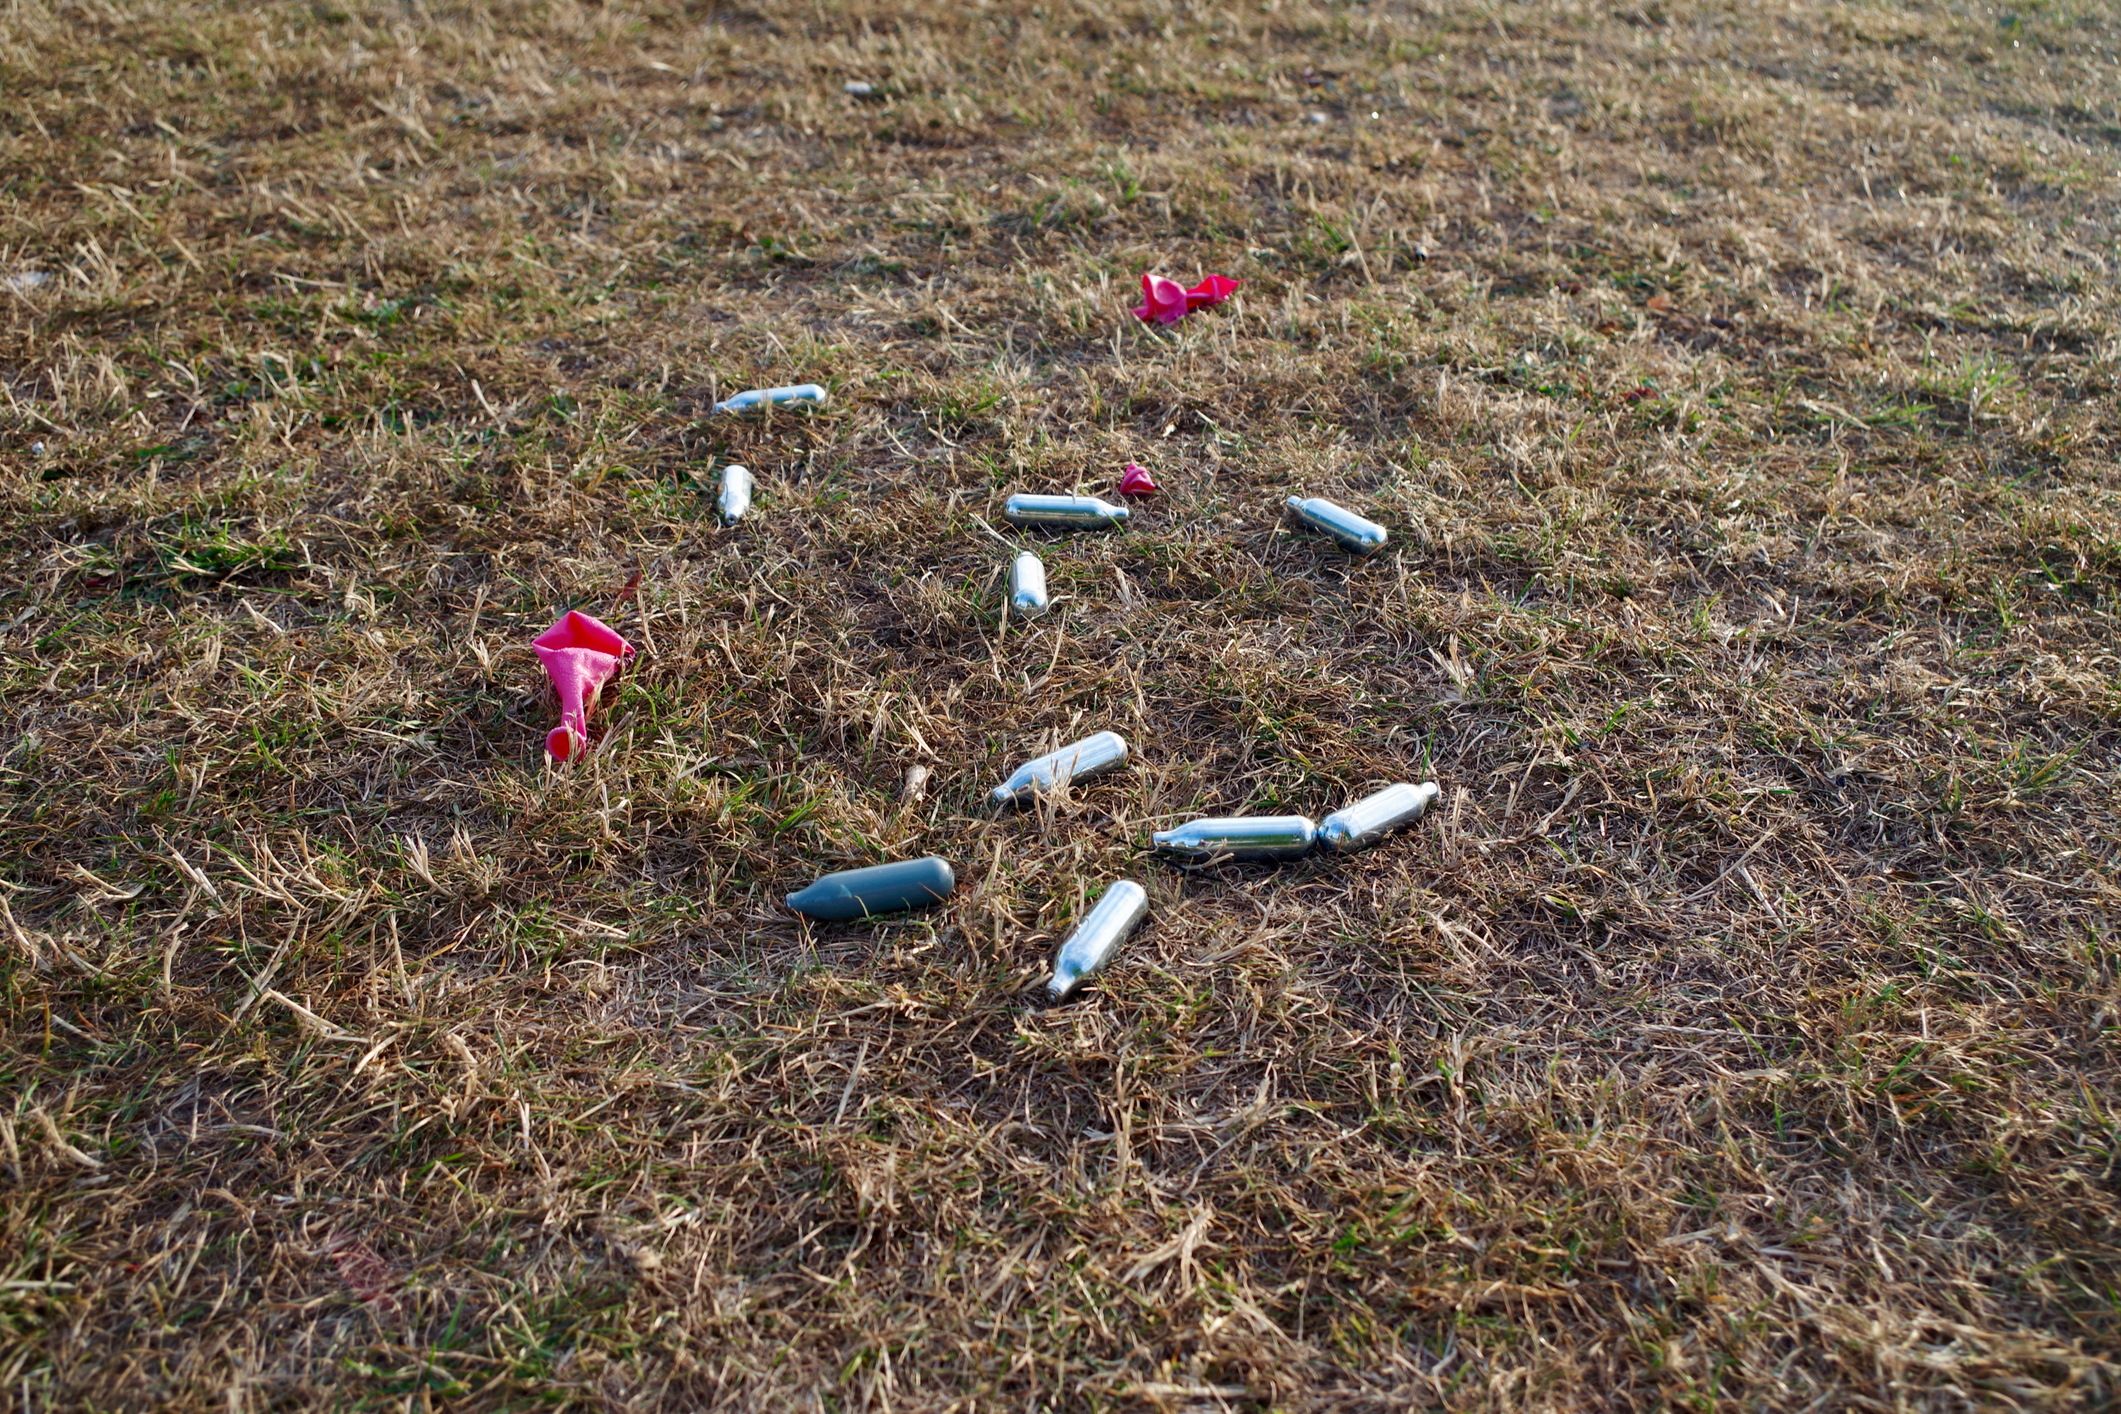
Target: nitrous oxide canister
x: 733, y: 500
x: 1097, y: 938
x: 1241, y: 839
x: 1364, y: 822
x: 1027, y: 586
x: 801, y: 395
x: 881, y: 888
x: 1064, y: 512
x: 1361, y: 536
x: 1091, y: 756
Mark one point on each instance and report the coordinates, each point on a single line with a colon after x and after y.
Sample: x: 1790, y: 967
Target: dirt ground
x: 1738, y: 383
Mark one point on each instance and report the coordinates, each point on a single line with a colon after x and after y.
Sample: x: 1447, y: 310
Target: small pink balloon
x: 1166, y: 301
x: 1213, y: 290
x: 1163, y: 301
x: 580, y: 655
x: 1136, y: 481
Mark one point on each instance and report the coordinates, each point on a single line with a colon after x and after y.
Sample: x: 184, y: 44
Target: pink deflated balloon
x: 1213, y: 290
x: 1166, y: 301
x: 1163, y: 301
x: 580, y: 654
x: 1136, y: 481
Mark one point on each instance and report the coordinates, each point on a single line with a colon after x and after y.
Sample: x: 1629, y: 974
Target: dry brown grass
x: 1739, y: 383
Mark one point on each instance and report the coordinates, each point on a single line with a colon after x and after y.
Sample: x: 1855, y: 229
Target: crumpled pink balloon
x: 1213, y: 290
x: 1166, y: 301
x: 1136, y: 481
x: 580, y: 654
x: 1163, y: 301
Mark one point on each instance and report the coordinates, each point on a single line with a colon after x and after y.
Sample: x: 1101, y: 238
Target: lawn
x: 1739, y: 385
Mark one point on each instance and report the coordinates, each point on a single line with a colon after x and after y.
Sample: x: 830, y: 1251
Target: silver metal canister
x: 1097, y: 938
x: 1364, y: 822
x: 733, y: 500
x: 1064, y: 512
x: 1361, y: 536
x: 1091, y: 756
x: 881, y: 888
x: 801, y: 395
x: 1241, y: 839
x: 1027, y: 586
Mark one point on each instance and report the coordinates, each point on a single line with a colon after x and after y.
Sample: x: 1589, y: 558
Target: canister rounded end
x: 1336, y: 836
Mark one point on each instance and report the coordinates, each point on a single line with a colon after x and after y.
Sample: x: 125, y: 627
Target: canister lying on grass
x: 1091, y: 756
x: 881, y: 888
x: 1064, y: 512
x: 733, y: 500
x: 801, y: 395
x: 1241, y: 839
x: 1027, y: 586
x: 1097, y: 937
x: 1362, y: 823
x: 1361, y: 536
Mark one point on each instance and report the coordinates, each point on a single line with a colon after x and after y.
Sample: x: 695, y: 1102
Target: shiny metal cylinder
x: 1097, y: 938
x: 801, y: 395
x: 1364, y: 822
x: 1027, y: 586
x: 733, y: 500
x: 1240, y: 839
x: 1064, y: 512
x: 1361, y: 536
x: 881, y: 888
x: 1091, y: 756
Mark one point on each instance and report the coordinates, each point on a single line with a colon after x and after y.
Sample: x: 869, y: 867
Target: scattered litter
x: 1136, y: 481
x: 916, y: 786
x: 1361, y: 536
x: 1092, y: 756
x: 1166, y: 301
x: 1364, y: 822
x: 881, y: 888
x: 1242, y: 839
x: 580, y: 654
x: 1027, y: 586
x: 1097, y: 938
x: 1318, y: 119
x: 734, y: 497
x: 23, y: 281
x: 857, y: 89
x: 36, y: 449
x: 801, y: 395
x: 1064, y: 512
